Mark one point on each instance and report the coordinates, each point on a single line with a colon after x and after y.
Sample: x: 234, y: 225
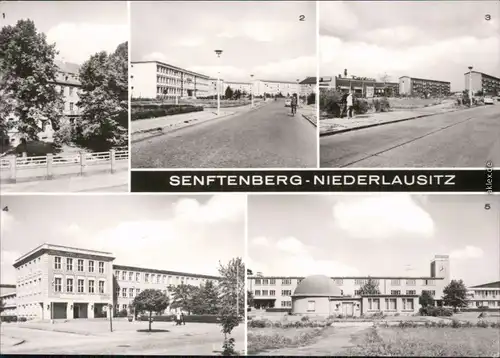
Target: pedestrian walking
x: 182, y: 319
x: 343, y: 105
x: 350, y: 104
x: 178, y: 319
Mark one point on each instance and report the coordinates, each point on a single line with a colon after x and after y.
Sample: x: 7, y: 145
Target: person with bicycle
x: 294, y: 104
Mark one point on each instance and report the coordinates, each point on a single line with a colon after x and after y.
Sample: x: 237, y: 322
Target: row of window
x: 153, y: 278
x: 132, y: 292
x: 340, y: 282
x: 80, y: 286
x: 391, y: 304
x: 80, y: 265
x: 356, y: 292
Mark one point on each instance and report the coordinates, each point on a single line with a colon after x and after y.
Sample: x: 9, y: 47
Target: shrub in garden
x: 8, y: 318
x: 187, y: 318
x: 305, y: 319
x: 361, y: 106
x: 122, y: 313
x: 165, y: 111
x: 311, y: 99
x: 22, y: 319
x: 329, y: 102
x: 436, y: 311
x: 456, y: 323
x: 482, y: 324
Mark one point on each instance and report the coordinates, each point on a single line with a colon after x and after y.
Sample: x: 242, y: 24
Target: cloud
x: 7, y: 222
x: 469, y: 252
x: 382, y: 217
x: 289, y: 69
x: 218, y: 208
x: 260, y: 241
x: 189, y: 42
x: 76, y: 42
x: 345, y: 20
x: 291, y: 245
x: 155, y: 56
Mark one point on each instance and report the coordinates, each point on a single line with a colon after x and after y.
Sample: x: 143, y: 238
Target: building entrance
x: 347, y: 309
x: 80, y: 310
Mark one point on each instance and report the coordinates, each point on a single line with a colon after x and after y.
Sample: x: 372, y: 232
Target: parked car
x: 488, y: 100
x: 288, y: 102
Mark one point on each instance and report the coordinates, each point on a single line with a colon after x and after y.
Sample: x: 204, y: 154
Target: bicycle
x: 294, y: 110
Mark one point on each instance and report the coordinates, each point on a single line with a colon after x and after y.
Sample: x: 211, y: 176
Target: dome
x: 317, y: 285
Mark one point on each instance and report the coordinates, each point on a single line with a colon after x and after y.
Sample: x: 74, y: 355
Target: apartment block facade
x: 307, y: 86
x: 155, y: 79
x: 362, y: 87
x: 411, y: 86
x: 277, y: 291
x: 60, y: 282
x: 485, y: 295
x: 489, y: 85
x: 271, y: 87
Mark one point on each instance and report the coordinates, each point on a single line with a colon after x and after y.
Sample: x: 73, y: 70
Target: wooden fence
x: 51, y: 165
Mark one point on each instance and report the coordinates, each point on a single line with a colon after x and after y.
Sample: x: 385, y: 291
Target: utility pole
x: 110, y: 310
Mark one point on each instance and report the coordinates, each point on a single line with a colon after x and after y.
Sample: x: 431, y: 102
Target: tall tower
x: 440, y: 267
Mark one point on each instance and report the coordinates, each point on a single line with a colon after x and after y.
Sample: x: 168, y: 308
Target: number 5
x: 487, y: 206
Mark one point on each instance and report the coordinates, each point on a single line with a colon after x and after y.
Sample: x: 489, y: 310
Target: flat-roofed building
x: 277, y: 291
x: 308, y: 86
x: 155, y: 79
x: 412, y: 86
x: 485, y: 295
x: 488, y: 84
x: 273, y: 88
x: 361, y: 86
x: 243, y: 87
x: 8, y: 298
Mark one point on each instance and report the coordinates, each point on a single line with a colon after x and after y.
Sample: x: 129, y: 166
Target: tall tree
x: 229, y: 93
x: 249, y: 298
x: 210, y: 296
x: 28, y: 74
x: 455, y: 294
x: 150, y: 301
x: 104, y: 100
x: 182, y: 297
x: 369, y: 288
x: 426, y: 299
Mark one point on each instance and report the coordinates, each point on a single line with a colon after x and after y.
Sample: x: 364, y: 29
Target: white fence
x: 52, y: 165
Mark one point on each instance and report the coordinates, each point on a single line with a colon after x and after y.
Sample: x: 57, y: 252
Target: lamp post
x: 470, y: 85
x: 251, y: 93
x: 218, y: 53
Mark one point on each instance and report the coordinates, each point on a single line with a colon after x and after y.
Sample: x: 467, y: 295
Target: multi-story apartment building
x: 485, y: 295
x: 54, y: 281
x: 68, y: 84
x: 411, y: 86
x: 155, y: 79
x: 308, y: 86
x: 488, y: 84
x: 61, y: 282
x: 244, y: 87
x: 130, y: 281
x: 8, y: 298
x: 361, y: 86
x: 277, y: 291
x: 285, y: 88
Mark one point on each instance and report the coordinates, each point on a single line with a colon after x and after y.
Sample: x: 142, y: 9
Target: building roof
x: 68, y: 73
x: 174, y: 67
x: 67, y: 67
x: 354, y: 277
x: 484, y: 74
x: 274, y: 81
x: 308, y: 81
x: 317, y: 285
x: 495, y: 284
x: 163, y: 272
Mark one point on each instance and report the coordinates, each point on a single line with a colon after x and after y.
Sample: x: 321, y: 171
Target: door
x: 348, y: 309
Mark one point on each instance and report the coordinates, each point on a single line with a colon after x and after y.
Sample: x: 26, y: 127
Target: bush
x: 311, y: 99
x: 284, y: 310
x: 305, y: 319
x: 36, y: 148
x: 435, y: 311
x: 329, y: 102
x: 187, y: 318
x: 8, y: 318
x: 64, y: 135
x: 456, y: 323
x: 361, y: 106
x: 122, y: 313
x: 22, y: 319
x: 381, y: 105
x: 260, y: 323
x: 154, y: 111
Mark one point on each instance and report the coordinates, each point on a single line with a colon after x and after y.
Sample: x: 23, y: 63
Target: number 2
x: 302, y: 18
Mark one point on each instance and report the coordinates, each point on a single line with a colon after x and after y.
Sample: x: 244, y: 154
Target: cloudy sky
x: 262, y: 38
x: 179, y: 233
x: 426, y: 39
x: 79, y: 28
x: 399, y: 234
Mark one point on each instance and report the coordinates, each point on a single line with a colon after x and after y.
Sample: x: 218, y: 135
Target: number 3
x: 488, y: 17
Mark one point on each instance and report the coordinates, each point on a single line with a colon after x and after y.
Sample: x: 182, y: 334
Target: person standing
x: 350, y: 104
x: 178, y: 319
x: 183, y: 321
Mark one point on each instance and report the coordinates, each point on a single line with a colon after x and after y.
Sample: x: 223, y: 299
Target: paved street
x: 267, y: 137
x: 72, y: 338
x: 467, y: 138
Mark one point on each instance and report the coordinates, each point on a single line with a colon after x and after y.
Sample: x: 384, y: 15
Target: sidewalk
x: 309, y: 112
x: 145, y: 128
x: 331, y: 126
x: 97, y: 182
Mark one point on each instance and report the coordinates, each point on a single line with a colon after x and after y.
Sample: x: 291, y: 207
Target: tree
x: 150, y: 301
x: 385, y: 78
x: 455, y: 294
x: 229, y: 93
x: 369, y: 288
x: 210, y: 296
x: 183, y: 297
x: 426, y: 299
x: 28, y: 74
x: 104, y: 100
x: 249, y: 298
x: 2, y: 305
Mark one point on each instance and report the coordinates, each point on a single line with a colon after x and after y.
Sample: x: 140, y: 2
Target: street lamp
x: 470, y: 85
x: 218, y: 53
x: 251, y: 93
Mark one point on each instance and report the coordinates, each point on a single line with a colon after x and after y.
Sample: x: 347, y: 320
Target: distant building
x: 308, y: 86
x: 8, y: 297
x: 60, y: 282
x: 283, y: 291
x: 411, y: 86
x: 243, y: 87
x: 362, y: 86
x: 271, y: 87
x: 488, y: 84
x: 67, y: 82
x: 485, y: 295
x: 155, y: 79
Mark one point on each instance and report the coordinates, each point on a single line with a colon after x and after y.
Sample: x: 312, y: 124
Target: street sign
x: 370, y: 92
x: 105, y: 308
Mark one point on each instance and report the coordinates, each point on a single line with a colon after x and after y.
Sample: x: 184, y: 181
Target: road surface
x: 268, y: 137
x: 467, y: 138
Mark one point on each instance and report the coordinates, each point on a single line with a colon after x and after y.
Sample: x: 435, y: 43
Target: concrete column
x: 90, y: 313
x: 13, y: 165
x: 50, y: 161
x: 82, y: 163
x: 112, y: 157
x: 69, y: 310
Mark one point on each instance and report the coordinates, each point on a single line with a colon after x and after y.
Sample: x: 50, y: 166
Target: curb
x: 381, y: 124
x: 310, y: 120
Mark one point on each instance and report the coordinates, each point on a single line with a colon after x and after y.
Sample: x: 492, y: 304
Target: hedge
x: 154, y: 111
x: 284, y: 310
x: 187, y: 318
x: 8, y: 318
x: 436, y: 311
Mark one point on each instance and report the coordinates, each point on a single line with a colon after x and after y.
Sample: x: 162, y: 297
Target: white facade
x: 154, y: 79
x: 487, y: 295
x: 241, y: 86
x: 275, y: 87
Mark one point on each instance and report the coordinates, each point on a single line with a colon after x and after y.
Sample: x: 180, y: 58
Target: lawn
x: 412, y: 103
x: 425, y: 341
x: 263, y: 339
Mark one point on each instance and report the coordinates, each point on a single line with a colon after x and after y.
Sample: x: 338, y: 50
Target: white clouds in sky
x: 76, y: 42
x: 382, y: 217
x: 468, y: 252
x: 7, y: 221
